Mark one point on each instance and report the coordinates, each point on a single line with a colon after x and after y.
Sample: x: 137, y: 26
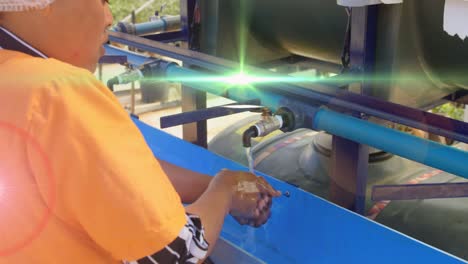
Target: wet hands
x: 251, y: 197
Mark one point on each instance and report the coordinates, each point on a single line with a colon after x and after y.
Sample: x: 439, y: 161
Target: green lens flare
x: 242, y: 34
x: 243, y: 79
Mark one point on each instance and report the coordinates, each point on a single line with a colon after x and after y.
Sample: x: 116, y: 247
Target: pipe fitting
x: 268, y: 124
x: 263, y: 127
x: 152, y: 69
x: 247, y: 136
x: 163, y: 24
x: 288, y: 119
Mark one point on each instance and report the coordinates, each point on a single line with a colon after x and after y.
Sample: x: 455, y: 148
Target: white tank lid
x: 355, y: 3
x: 455, y: 18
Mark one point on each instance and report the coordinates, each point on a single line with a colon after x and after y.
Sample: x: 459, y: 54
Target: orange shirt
x: 78, y: 184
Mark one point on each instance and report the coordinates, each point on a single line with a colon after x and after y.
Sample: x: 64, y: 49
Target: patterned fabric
x: 23, y: 5
x: 189, y: 247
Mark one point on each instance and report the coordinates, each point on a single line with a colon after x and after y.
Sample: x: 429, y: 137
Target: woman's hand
x: 251, y: 196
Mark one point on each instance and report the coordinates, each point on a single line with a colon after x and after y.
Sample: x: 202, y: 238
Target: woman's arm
x: 189, y: 184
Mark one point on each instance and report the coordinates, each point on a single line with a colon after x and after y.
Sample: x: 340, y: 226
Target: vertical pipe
x: 132, y: 99
x: 195, y: 133
x: 465, y: 118
x: 191, y: 98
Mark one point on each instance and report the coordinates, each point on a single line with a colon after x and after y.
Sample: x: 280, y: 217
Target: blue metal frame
x: 192, y: 99
x: 186, y: 17
x: 168, y: 36
x: 311, y: 116
x: 113, y: 59
x: 132, y: 58
x: 423, y: 151
x: 205, y: 114
x: 320, y: 93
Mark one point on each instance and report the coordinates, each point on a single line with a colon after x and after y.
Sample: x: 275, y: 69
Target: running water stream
x: 248, y: 153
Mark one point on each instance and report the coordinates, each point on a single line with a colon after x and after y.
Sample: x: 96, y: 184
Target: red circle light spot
x: 40, y: 224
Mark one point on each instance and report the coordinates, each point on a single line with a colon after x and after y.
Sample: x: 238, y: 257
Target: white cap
x: 23, y: 5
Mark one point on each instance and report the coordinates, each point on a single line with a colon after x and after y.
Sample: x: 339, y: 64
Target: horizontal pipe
x: 163, y: 24
x: 202, y: 114
x: 424, y: 151
x: 419, y: 191
x: 427, y: 152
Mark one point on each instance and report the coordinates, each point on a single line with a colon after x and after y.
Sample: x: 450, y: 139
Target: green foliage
x: 123, y: 8
x: 449, y: 110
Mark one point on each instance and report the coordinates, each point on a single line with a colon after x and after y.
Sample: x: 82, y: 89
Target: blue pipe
x: 148, y: 27
x: 424, y: 151
x: 163, y: 24
x: 427, y: 152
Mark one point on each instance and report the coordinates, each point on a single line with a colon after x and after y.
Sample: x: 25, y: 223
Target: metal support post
x: 187, y: 8
x: 349, y: 160
x: 192, y: 99
x: 348, y: 173
x: 465, y: 118
x: 194, y: 132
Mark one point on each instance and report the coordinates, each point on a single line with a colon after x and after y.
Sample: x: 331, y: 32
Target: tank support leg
x: 349, y: 160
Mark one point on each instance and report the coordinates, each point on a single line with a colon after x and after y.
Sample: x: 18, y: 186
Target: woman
x: 78, y: 183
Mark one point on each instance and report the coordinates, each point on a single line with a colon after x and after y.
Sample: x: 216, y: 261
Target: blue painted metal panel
x: 303, y: 228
